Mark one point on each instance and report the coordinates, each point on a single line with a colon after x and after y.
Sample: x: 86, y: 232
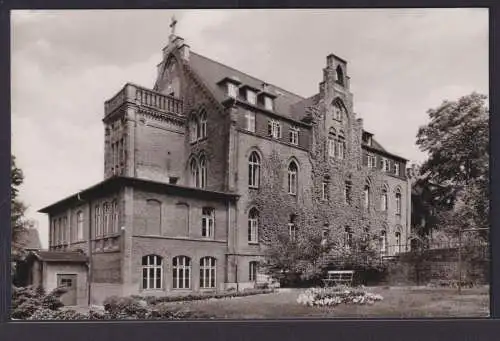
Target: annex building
x: 187, y: 170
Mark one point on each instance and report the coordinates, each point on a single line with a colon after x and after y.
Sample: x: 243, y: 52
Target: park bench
x: 338, y: 277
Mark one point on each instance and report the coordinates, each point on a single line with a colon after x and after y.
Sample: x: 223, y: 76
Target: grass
x: 399, y: 302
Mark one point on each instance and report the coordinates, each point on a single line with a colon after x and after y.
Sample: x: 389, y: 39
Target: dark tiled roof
x: 61, y: 256
x: 211, y: 72
x: 377, y: 146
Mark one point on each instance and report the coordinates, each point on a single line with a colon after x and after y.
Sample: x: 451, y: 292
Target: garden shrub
x: 333, y: 296
x: 26, y: 301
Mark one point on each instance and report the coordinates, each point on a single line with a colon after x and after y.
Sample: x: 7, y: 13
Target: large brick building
x: 185, y: 166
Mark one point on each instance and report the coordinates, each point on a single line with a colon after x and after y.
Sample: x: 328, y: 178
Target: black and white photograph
x: 250, y: 164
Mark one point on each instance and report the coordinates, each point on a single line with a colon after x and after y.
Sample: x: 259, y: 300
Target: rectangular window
x: 396, y: 168
x: 250, y: 121
x: 207, y: 222
x: 251, y: 97
x: 79, y: 225
x: 347, y: 192
x: 232, y: 90
x: 274, y: 129
x: 324, y: 190
x: 294, y: 135
x: 371, y: 161
x: 385, y: 165
x: 292, y: 231
x: 268, y: 103
x: 252, y: 271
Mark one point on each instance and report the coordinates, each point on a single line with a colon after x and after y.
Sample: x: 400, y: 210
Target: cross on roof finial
x: 172, y: 24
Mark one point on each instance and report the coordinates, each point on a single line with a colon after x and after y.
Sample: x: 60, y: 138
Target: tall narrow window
x: 292, y: 227
x: 106, y: 212
x: 232, y: 90
x: 268, y: 103
x: 193, y: 129
x: 331, y: 142
x: 252, y: 271
x: 203, y: 172
x: 207, y: 272
x: 398, y: 203
x: 98, y: 225
x: 338, y: 110
x: 371, y: 161
x: 347, y: 238
x: 253, y: 225
x: 115, y: 217
x: 250, y: 121
x: 396, y: 168
x: 383, y: 200
x: 384, y: 164
x: 367, y: 197
x: 253, y: 170
x: 53, y: 233
x: 292, y: 178
x: 294, y: 135
x: 207, y: 222
x: 65, y: 230
x: 181, y: 268
x: 251, y: 97
x: 339, y: 75
x: 398, y: 241
x: 203, y: 124
x: 348, y: 192
x: 383, y: 241
x: 152, y: 272
x: 324, y: 190
x: 274, y: 129
x: 341, y: 147
x: 79, y: 225
x: 195, y: 173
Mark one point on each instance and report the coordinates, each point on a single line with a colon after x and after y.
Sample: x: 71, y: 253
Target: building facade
x: 187, y: 169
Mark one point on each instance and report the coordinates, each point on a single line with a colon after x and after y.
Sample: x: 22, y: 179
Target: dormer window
x: 232, y: 90
x: 396, y: 168
x: 251, y: 97
x: 268, y: 103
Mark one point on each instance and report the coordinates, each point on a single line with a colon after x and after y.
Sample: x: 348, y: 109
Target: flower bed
x: 337, y: 295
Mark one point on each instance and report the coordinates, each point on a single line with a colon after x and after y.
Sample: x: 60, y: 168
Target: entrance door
x: 69, y: 282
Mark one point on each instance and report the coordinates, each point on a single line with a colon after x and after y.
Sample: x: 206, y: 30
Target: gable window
x: 195, y: 173
x: 253, y: 170
x: 232, y: 90
x: 274, y: 129
x: 181, y: 272
x: 324, y: 190
x: 203, y: 172
x: 294, y: 135
x: 398, y: 203
x: 252, y: 271
x: 207, y: 222
x: 367, y: 197
x: 268, y: 103
x: 383, y: 200
x: 207, y: 272
x: 292, y: 178
x: 251, y: 97
x: 202, y: 133
x: 250, y: 121
x: 152, y: 272
x: 348, y: 192
x: 79, y: 225
x: 396, y: 168
x: 292, y: 228
x: 253, y: 225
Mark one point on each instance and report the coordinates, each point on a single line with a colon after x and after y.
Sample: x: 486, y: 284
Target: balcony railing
x: 138, y: 95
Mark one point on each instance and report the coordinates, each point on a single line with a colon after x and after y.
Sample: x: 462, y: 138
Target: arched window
x: 292, y: 227
x: 193, y: 129
x: 253, y: 170
x: 203, y: 124
x: 152, y: 272
x: 181, y: 268
x: 331, y: 142
x: 338, y: 110
x: 195, y: 173
x: 367, y: 197
x: 341, y: 147
x: 79, y: 225
x: 383, y: 200
x: 252, y: 271
x: 383, y: 241
x: 339, y: 75
x: 292, y: 178
x: 398, y: 202
x: 347, y: 238
x: 207, y: 272
x: 398, y: 241
x: 203, y: 172
x: 253, y: 225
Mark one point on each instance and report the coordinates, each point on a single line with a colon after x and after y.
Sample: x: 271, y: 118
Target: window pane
x: 144, y: 278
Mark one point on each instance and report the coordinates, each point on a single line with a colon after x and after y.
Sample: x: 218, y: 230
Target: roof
x: 213, y: 72
x: 115, y: 183
x: 61, y: 256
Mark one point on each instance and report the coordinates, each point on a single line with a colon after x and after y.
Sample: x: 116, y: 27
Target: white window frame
x: 383, y: 241
x: 115, y: 217
x: 372, y: 161
x: 294, y: 135
x: 396, y: 168
x: 183, y: 266
x: 250, y: 121
x: 274, y: 128
x: 254, y: 170
x: 292, y: 231
x: 384, y: 205
x: 385, y: 164
x: 153, y: 264
x: 232, y: 90
x: 207, y: 222
x: 208, y: 273
x: 398, y: 203
x: 79, y: 225
x: 106, y: 209
x: 251, y: 97
x: 253, y: 225
x: 268, y: 103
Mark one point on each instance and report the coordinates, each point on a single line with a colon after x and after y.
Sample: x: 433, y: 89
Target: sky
x: 65, y: 64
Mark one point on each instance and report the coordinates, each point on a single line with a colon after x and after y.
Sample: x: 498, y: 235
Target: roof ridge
x: 248, y: 75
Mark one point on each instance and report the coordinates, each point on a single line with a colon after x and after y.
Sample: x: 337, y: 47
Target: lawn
x: 399, y: 302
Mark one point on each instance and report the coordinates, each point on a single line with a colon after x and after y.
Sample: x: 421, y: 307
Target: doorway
x: 67, y: 281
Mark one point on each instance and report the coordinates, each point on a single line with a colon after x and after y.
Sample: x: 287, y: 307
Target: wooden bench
x: 339, y: 277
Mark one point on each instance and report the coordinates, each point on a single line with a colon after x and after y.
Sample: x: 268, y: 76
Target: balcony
x: 141, y: 96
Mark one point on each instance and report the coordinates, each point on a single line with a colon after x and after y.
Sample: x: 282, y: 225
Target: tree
x: 18, y: 209
x: 457, y: 141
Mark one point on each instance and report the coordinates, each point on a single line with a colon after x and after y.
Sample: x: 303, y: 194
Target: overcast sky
x: 65, y: 64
